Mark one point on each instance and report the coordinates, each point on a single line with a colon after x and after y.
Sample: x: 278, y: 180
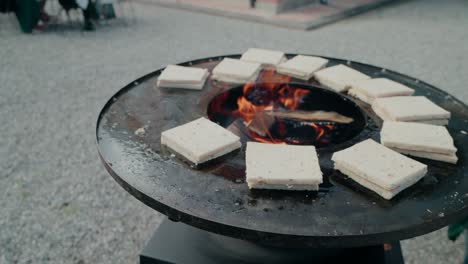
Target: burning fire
x: 273, y: 111
x: 272, y: 92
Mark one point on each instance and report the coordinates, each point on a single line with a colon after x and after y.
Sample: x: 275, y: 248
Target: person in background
x: 27, y: 12
x: 44, y: 18
x: 88, y: 8
x: 43, y: 15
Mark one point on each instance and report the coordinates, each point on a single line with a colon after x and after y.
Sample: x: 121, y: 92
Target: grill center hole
x: 287, y: 113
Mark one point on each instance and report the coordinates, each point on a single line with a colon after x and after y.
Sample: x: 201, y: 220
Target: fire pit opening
x: 288, y: 113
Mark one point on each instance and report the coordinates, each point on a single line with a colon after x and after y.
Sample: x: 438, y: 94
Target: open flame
x: 272, y: 110
x: 256, y: 103
x: 271, y: 93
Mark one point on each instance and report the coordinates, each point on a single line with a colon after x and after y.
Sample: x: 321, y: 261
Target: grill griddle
x: 216, y: 198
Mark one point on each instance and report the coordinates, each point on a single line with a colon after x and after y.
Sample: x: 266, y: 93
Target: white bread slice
x: 408, y: 108
x: 368, y: 90
x: 436, y: 122
x: 200, y: 140
x: 417, y: 137
x: 360, y: 95
x: 236, y: 71
x: 264, y: 56
x: 384, y: 116
x: 380, y: 165
x: 174, y: 76
x: 289, y: 187
x: 387, y: 194
x: 339, y: 78
x: 286, y: 167
x: 302, y: 67
x: 450, y: 158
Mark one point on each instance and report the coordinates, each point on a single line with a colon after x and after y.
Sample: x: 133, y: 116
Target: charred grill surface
x: 216, y: 198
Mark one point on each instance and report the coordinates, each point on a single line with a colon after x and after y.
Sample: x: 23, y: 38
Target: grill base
x: 180, y: 243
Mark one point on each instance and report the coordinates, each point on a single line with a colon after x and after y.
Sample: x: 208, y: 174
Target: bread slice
x: 387, y: 194
x: 174, y: 76
x: 436, y: 122
x: 417, y: 137
x: 360, y: 95
x: 449, y: 158
x: 264, y: 56
x: 368, y: 90
x: 408, y: 108
x: 371, y: 162
x: 419, y: 140
x: 236, y: 71
x: 289, y: 187
x: 339, y: 78
x: 284, y: 167
x: 384, y: 116
x: 302, y: 67
x: 200, y: 140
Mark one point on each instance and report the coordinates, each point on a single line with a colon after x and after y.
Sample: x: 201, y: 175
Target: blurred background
x: 60, y: 61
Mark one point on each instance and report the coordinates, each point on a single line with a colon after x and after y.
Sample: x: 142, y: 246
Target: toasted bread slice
x: 301, y: 67
x: 200, y: 140
x: 339, y: 78
x: 369, y: 90
x: 374, y: 163
x: 175, y: 76
x: 417, y: 137
x: 408, y: 108
x: 236, y: 71
x: 285, y: 167
x: 264, y: 56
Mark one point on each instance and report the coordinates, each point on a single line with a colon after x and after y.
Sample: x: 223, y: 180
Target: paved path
x: 57, y: 203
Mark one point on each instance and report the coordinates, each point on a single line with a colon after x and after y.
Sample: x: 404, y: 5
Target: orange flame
x: 256, y: 105
x: 272, y: 91
x: 291, y: 98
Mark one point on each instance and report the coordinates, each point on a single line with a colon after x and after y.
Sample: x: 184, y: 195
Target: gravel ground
x: 57, y: 203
